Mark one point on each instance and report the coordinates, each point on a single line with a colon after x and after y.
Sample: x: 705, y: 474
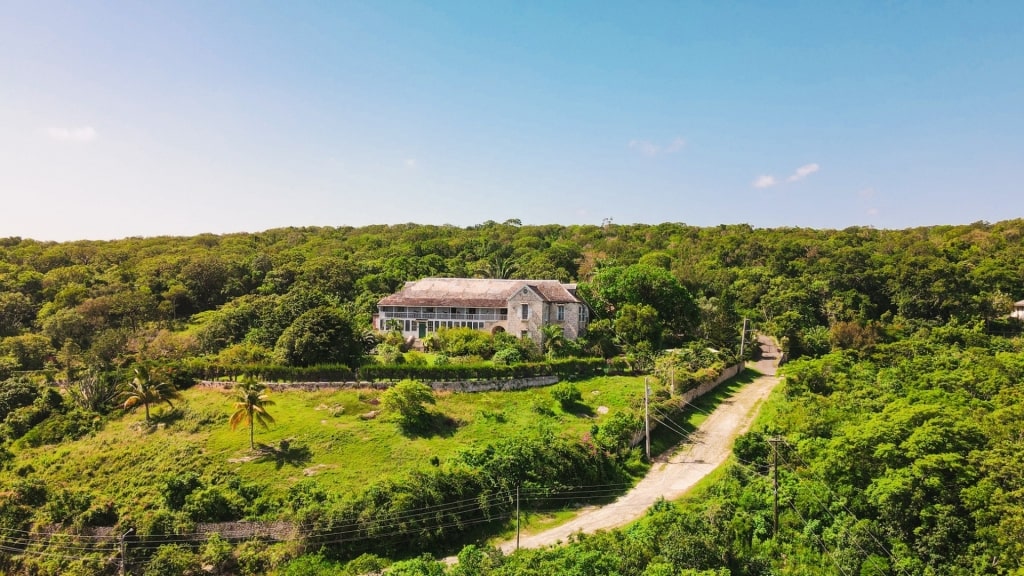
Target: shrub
x: 173, y: 560
x: 507, y: 356
x: 416, y: 358
x: 313, y: 565
x: 390, y: 354
x: 216, y: 552
x: 94, y: 393
x: 406, y: 404
x: 60, y: 427
x: 176, y: 487
x: 465, y: 341
x: 567, y: 395
x: 213, y: 504
x: 15, y: 394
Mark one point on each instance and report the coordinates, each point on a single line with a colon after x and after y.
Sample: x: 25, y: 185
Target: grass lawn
x: 125, y: 461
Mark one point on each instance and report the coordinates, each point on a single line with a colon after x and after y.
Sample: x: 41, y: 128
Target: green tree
x: 407, y: 404
x: 145, y: 389
x: 638, y: 323
x: 554, y: 341
x: 251, y: 407
x: 322, y: 335
x: 642, y: 284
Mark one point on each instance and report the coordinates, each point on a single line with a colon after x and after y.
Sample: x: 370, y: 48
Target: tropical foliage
x: 898, y: 420
x: 251, y: 403
x: 146, y: 388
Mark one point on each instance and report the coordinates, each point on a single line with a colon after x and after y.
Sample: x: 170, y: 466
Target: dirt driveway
x: 707, y: 448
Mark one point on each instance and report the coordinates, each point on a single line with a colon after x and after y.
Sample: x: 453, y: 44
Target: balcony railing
x: 485, y: 317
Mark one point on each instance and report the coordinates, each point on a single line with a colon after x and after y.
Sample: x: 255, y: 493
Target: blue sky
x: 151, y: 118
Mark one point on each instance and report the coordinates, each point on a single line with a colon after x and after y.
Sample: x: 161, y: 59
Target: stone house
x: 519, y: 307
x: 1018, y: 310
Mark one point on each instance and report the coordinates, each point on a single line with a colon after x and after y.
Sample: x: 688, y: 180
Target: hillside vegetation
x: 897, y: 415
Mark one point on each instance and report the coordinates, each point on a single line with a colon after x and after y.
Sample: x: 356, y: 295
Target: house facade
x: 1018, y: 310
x: 519, y: 307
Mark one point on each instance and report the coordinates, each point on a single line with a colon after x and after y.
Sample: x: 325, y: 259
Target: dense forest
x: 898, y: 427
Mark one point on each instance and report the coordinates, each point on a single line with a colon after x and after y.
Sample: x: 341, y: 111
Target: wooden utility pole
x: 647, y: 418
x: 774, y: 440
x: 743, y: 339
x: 517, y: 515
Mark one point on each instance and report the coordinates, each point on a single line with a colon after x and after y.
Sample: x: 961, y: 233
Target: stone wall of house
x: 531, y: 326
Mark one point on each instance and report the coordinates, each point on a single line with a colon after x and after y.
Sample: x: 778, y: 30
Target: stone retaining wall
x: 454, y: 386
x: 690, y: 395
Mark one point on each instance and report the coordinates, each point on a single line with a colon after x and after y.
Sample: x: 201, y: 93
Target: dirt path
x: 670, y: 478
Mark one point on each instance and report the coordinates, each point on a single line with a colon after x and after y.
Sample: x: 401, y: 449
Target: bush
x: 464, y: 342
x: 213, y: 504
x: 406, y: 404
x: 173, y: 560
x: 507, y: 356
x: 569, y: 367
x: 567, y: 395
x: 390, y: 354
x: 15, y: 394
x: 60, y: 427
x: 177, y: 487
x: 216, y: 552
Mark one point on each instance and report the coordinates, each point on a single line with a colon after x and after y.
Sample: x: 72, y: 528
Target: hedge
x: 565, y: 368
x: 184, y: 374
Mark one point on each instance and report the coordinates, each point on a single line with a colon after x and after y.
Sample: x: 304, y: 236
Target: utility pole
x: 124, y: 550
x: 743, y: 339
x: 517, y: 515
x: 647, y: 418
x: 774, y: 441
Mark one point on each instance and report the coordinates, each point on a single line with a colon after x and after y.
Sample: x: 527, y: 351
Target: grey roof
x: 474, y: 292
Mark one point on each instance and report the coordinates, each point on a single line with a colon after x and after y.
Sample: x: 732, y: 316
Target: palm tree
x: 145, y: 390
x: 553, y: 339
x: 251, y: 407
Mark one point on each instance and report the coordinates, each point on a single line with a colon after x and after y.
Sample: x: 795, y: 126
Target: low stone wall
x: 493, y: 385
x: 694, y: 393
x: 303, y: 386
x: 690, y: 395
x: 453, y: 386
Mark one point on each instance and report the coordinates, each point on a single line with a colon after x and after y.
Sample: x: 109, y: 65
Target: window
x: 524, y: 312
x: 561, y: 313
x: 524, y: 333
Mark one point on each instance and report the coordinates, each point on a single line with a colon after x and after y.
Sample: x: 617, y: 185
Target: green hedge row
x: 568, y: 367
x: 184, y: 374
x: 190, y: 371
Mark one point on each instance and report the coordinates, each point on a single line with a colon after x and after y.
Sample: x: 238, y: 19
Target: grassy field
x: 124, y: 462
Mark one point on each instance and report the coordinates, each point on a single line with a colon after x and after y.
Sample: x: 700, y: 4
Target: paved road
x: 707, y: 448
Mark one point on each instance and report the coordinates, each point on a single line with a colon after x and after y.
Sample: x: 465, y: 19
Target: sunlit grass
x: 327, y: 440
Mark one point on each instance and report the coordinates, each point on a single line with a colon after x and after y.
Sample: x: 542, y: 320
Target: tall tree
x: 145, y: 389
x: 251, y: 407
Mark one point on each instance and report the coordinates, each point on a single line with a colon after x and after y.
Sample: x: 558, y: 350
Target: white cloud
x: 645, y: 147
x: 803, y: 172
x: 675, y: 146
x: 77, y: 134
x: 764, y: 181
x: 648, y: 148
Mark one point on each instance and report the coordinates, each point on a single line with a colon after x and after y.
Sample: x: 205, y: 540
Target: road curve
x: 706, y: 449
